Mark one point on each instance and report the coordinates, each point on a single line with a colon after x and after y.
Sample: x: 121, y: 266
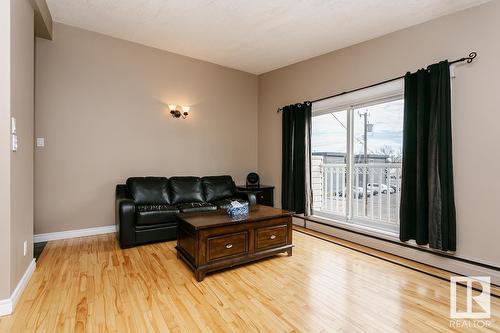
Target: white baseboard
x: 73, y: 233
x: 8, y: 305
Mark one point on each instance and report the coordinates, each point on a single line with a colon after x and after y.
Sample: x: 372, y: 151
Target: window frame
x: 385, y: 93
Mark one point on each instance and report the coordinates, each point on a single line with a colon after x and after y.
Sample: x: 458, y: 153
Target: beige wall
x: 5, y: 149
x: 22, y: 93
x: 475, y: 107
x: 101, y: 106
x: 16, y: 168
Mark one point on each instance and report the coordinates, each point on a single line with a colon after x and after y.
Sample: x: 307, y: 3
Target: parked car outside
x: 356, y: 193
x: 380, y: 188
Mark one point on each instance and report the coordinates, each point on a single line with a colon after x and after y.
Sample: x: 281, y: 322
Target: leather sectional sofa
x: 147, y: 207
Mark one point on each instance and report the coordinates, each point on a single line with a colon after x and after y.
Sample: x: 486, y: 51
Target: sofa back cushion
x: 186, y: 189
x: 218, y: 187
x: 149, y: 190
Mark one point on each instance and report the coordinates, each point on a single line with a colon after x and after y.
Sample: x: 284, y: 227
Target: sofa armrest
x: 124, y: 217
x: 250, y: 197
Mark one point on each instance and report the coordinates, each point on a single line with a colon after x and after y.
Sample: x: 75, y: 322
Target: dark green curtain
x: 427, y: 211
x: 296, y: 128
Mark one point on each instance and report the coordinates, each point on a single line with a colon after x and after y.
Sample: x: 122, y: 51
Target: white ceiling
x: 255, y: 36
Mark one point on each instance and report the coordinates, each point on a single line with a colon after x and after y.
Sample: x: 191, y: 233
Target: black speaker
x: 253, y: 180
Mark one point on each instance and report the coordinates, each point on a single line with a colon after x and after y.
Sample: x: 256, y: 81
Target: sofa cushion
x: 155, y: 214
x: 192, y: 207
x: 157, y: 227
x: 186, y: 189
x: 218, y: 187
x: 156, y: 208
x: 226, y: 203
x: 149, y: 190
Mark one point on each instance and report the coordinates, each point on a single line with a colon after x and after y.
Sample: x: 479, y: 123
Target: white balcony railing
x: 376, y: 190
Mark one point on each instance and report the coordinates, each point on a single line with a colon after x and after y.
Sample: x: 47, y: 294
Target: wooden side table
x: 263, y: 193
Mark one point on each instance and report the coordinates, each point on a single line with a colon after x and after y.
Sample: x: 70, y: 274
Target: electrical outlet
x: 25, y: 248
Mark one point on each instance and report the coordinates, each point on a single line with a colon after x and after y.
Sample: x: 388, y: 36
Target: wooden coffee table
x: 212, y: 241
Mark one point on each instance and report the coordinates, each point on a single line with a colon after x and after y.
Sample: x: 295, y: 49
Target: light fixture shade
x: 186, y: 108
x: 172, y: 107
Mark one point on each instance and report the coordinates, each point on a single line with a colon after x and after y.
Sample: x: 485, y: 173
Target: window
x: 356, y: 157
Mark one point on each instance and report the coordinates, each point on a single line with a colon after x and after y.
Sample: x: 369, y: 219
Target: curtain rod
x: 469, y: 59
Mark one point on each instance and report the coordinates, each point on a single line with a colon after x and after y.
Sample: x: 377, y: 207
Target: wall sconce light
x: 176, y: 113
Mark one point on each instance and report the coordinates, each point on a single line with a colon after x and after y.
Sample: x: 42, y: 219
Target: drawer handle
x: 272, y: 237
x: 228, y: 246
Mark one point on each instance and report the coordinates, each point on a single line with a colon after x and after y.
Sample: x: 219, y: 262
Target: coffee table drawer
x: 271, y: 236
x: 219, y: 247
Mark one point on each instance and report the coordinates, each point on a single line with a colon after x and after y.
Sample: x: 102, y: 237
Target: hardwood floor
x: 90, y: 284
x: 436, y: 272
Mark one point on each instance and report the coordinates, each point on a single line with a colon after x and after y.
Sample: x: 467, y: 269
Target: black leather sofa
x: 147, y: 207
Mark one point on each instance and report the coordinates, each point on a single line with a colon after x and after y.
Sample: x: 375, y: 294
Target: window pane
x: 377, y: 149
x: 329, y: 151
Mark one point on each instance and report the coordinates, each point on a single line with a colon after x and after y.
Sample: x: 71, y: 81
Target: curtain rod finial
x: 471, y: 57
